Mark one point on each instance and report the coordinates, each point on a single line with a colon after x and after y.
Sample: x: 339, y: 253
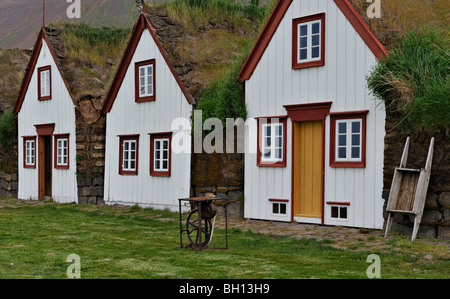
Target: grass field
x: 129, y: 242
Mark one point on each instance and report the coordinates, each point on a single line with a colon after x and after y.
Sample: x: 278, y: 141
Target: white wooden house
x: 46, y: 129
x: 146, y: 96
x: 316, y: 155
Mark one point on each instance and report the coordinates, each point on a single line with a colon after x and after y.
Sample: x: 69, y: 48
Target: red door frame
x: 308, y: 112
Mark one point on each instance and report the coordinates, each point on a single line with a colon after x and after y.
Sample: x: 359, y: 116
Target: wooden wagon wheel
x: 192, y: 228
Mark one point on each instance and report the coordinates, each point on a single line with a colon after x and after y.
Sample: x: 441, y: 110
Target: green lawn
x: 36, y: 238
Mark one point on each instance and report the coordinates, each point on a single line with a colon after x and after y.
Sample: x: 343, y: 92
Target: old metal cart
x: 198, y: 226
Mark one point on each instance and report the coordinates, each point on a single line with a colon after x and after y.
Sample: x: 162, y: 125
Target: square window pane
x: 279, y: 153
x: 275, y: 208
x: 303, y: 54
x: 342, y: 153
x: 316, y: 28
x: 356, y: 127
x: 150, y: 89
x: 282, y: 208
x: 342, y: 127
x: 355, y: 152
x: 280, y: 130
x: 343, y: 212
x: 315, y: 52
x: 355, y: 139
x: 315, y: 40
x: 268, y: 131
x: 334, y: 212
x: 303, y: 42
x: 303, y: 30
x: 279, y: 141
x: 342, y: 140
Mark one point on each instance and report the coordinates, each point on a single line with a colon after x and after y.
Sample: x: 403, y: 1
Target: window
x: 279, y: 206
x: 308, y: 41
x: 271, y: 141
x: 347, y: 146
x: 62, y: 151
x: 44, y: 83
x: 145, y: 80
x: 160, y: 154
x: 339, y: 212
x: 29, y: 152
x: 128, y: 156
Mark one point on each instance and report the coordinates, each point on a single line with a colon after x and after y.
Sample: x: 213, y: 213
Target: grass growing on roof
x: 86, y: 44
x: 414, y: 80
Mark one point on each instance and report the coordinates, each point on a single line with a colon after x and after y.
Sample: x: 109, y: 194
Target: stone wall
x: 8, y: 184
x: 220, y: 175
x: 436, y: 218
x: 91, y: 132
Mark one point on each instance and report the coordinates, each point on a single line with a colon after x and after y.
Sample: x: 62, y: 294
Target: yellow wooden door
x: 307, y: 180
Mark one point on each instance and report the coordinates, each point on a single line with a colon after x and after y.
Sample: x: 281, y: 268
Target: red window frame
x: 269, y: 120
x: 295, y: 23
x: 348, y: 116
x: 42, y: 69
x: 25, y: 139
x: 57, y: 137
x: 153, y: 137
x: 137, y: 65
x: 123, y: 138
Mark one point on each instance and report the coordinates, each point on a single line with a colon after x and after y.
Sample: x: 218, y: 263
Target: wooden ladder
x: 409, y: 190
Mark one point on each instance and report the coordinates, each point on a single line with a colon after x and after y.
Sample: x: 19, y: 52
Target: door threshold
x: 311, y: 220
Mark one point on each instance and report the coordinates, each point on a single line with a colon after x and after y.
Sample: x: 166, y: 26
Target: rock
x: 88, y: 112
x: 444, y: 199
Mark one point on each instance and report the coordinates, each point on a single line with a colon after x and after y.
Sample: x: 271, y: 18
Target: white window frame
x: 30, y: 152
x: 127, y: 154
x: 45, y: 83
x: 309, y: 37
x: 161, y: 150
x: 348, y: 140
x: 339, y: 216
x: 273, y: 147
x: 146, y: 80
x: 275, y: 203
x: 62, y: 151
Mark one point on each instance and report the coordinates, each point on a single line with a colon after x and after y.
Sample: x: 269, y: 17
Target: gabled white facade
x: 48, y: 119
x: 339, y: 88
x: 127, y: 117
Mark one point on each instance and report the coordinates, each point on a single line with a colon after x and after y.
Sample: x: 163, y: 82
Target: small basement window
x: 279, y: 207
x: 339, y: 212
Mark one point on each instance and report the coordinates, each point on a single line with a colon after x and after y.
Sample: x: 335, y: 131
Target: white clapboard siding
x: 341, y: 80
x: 128, y: 117
x: 60, y: 110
